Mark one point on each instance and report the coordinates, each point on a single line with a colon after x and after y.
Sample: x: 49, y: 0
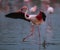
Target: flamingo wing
x: 17, y: 15
x: 43, y: 16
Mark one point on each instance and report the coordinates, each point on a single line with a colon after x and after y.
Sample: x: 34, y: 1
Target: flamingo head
x: 24, y: 8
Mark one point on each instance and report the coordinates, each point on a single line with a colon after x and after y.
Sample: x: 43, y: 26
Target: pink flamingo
x: 34, y: 19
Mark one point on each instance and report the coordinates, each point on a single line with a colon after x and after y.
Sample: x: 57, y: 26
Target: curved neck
x: 26, y: 14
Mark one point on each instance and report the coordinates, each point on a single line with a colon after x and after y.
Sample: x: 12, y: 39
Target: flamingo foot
x: 23, y: 39
x: 44, y: 44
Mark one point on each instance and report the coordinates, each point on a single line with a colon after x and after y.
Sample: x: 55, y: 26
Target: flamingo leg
x: 32, y: 31
x: 39, y: 34
x: 44, y: 43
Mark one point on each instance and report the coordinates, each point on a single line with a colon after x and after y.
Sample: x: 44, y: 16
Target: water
x: 12, y: 31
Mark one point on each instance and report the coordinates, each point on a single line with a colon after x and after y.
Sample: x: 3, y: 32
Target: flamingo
x: 34, y: 19
x: 50, y: 10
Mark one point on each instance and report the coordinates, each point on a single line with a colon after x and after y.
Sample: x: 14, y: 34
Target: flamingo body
x: 50, y: 10
x: 38, y: 19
